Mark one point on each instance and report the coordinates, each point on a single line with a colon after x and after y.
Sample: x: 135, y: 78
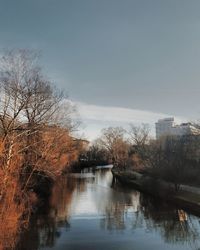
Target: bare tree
x: 174, y: 159
x: 36, y: 121
x: 113, y: 140
x: 139, y: 135
x: 139, y: 139
x: 29, y: 103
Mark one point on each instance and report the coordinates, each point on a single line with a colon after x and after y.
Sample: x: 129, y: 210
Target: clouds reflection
x: 90, y: 205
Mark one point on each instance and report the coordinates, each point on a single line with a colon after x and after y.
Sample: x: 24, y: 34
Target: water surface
x: 88, y: 211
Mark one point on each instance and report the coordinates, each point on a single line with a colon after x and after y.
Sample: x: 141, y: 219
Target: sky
x: 121, y: 61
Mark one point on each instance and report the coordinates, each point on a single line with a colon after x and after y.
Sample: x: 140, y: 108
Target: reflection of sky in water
x: 95, y: 199
x: 100, y: 215
x: 92, y: 200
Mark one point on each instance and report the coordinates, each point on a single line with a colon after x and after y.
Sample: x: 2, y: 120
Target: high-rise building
x: 167, y: 126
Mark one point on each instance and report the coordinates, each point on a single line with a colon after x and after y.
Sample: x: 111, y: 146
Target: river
x: 87, y: 211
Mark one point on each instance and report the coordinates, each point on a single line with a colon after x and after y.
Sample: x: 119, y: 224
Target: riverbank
x: 187, y: 197
x: 88, y: 212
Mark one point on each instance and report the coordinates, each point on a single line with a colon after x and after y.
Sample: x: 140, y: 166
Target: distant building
x: 167, y: 126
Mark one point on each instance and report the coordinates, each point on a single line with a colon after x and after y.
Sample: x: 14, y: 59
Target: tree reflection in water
x: 173, y: 224
x: 45, y: 228
x: 117, y: 209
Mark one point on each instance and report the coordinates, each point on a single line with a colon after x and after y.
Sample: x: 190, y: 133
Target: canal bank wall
x: 187, y: 197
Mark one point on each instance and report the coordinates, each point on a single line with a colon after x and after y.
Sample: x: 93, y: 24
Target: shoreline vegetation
x: 36, y: 141
x: 168, y: 167
x: 37, y: 146
x: 187, y: 197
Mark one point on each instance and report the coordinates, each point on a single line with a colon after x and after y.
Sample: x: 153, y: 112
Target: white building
x: 167, y: 126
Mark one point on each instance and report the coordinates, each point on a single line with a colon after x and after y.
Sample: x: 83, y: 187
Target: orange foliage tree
x: 35, y: 136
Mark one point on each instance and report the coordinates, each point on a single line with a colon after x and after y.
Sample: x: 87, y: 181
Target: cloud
x: 97, y: 117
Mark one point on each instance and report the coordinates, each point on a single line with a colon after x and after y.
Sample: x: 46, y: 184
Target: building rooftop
x: 170, y: 119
